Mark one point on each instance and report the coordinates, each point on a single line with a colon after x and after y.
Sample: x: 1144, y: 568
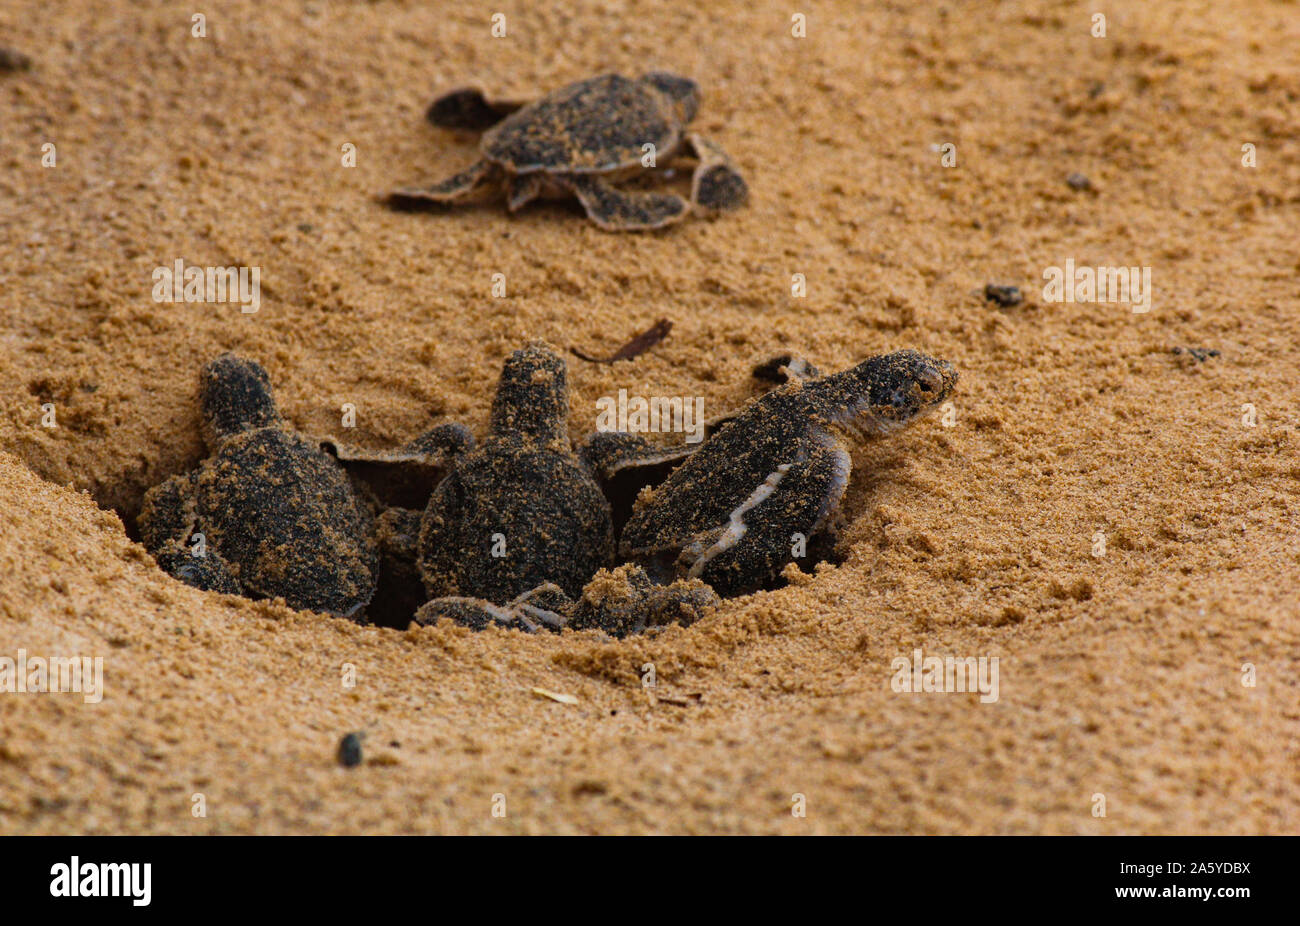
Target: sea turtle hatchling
x: 730, y: 513
x: 582, y: 139
x: 517, y: 529
x: 278, y: 517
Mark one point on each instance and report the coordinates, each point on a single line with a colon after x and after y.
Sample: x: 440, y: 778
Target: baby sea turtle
x: 520, y: 509
x: 734, y: 512
x: 278, y: 517
x: 582, y: 139
x: 519, y: 526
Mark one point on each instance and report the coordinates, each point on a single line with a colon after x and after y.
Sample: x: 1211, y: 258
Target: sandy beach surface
x: 1111, y: 517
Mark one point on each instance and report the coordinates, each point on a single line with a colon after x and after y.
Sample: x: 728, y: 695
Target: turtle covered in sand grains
x: 519, y: 533
x: 733, y: 512
x: 279, y: 518
x: 580, y: 141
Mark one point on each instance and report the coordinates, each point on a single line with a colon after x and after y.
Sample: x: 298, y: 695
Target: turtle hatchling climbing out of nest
x: 730, y: 513
x: 278, y: 517
x: 519, y: 525
x: 582, y: 140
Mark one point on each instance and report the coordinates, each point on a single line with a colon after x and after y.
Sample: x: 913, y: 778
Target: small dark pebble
x: 11, y: 60
x: 1078, y: 182
x: 350, y: 750
x: 1003, y: 295
x: 1200, y: 353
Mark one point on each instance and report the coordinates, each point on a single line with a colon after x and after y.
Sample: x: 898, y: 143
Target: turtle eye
x: 930, y: 380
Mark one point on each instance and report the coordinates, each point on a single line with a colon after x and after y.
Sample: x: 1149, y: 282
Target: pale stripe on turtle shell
x: 736, y: 521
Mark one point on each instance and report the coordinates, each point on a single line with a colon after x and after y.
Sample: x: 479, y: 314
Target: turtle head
x: 234, y: 396
x: 885, y: 393
x: 683, y: 92
x: 532, y: 399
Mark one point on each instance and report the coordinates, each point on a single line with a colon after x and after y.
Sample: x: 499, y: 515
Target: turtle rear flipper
x: 474, y: 613
x: 545, y: 606
x: 469, y: 109
x: 716, y: 185
x: 618, y: 210
x: 469, y: 182
x: 625, y: 601
x: 477, y: 614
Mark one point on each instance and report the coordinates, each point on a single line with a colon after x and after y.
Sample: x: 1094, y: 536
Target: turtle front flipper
x: 623, y: 464
x: 611, y: 453
x: 406, y: 476
x: 436, y: 447
x: 207, y: 572
x: 168, y: 528
x: 168, y: 513
x: 619, y: 210
x: 716, y: 185
x: 783, y: 368
x: 440, y: 443
x: 456, y: 188
x: 469, y: 109
x: 168, y: 521
x: 773, y: 526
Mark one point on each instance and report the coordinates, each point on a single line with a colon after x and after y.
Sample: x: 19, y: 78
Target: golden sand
x: 1121, y: 674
